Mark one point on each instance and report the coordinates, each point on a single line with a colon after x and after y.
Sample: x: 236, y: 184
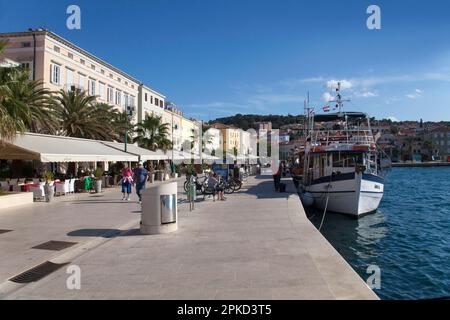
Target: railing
x: 360, y: 137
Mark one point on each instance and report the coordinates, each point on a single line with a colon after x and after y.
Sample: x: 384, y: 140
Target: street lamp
x: 130, y: 112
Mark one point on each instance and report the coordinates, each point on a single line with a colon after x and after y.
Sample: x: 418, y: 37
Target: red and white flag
x: 326, y: 108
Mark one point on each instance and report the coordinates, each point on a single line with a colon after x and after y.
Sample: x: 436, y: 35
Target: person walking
x: 140, y: 178
x: 126, y: 182
x: 277, y: 178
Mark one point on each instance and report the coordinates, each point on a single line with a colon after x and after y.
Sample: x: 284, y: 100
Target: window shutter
x: 51, y: 74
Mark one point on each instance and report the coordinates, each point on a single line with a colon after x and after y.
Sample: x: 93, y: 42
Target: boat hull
x: 351, y: 194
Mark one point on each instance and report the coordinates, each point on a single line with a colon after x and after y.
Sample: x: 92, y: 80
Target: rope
x: 326, y: 203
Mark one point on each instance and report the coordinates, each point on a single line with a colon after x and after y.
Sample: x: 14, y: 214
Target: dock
x: 256, y: 245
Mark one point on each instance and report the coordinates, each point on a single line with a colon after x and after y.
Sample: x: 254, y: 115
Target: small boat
x: 342, y: 168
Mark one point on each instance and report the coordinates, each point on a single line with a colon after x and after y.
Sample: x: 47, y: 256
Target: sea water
x: 408, y: 238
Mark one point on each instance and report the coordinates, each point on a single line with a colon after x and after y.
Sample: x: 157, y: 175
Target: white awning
x: 143, y: 154
x: 46, y: 148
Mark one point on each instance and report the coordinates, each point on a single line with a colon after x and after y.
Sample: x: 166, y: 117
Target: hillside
x: 249, y: 121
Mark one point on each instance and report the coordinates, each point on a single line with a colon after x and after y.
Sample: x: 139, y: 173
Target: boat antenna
x: 338, y: 98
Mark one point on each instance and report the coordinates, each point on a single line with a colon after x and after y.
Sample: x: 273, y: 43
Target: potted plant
x: 151, y: 173
x: 98, y: 180
x: 49, y: 187
x: 159, y: 172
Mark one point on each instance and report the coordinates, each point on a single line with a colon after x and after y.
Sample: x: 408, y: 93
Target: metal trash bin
x: 159, y: 208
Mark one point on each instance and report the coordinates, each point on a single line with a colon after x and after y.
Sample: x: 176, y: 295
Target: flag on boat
x: 326, y: 108
x: 311, y: 112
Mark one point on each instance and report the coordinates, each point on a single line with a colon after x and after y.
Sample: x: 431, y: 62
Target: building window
x: 55, y: 74
x: 69, y: 76
x: 118, y: 98
x: 126, y: 99
x: 25, y: 65
x: 126, y: 83
x: 101, y: 90
x: 70, y: 55
x: 92, y: 67
x: 26, y: 44
x: 118, y: 79
x: 151, y: 99
x: 161, y: 103
x: 132, y: 86
x: 56, y: 49
x: 91, y: 88
x: 111, y: 75
x: 102, y: 71
x: 156, y: 101
x: 146, y: 97
x: 82, y: 62
x: 81, y: 81
x: 110, y: 95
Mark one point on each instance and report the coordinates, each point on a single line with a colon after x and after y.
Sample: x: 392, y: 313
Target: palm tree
x: 79, y: 116
x: 122, y: 124
x: 24, y: 104
x: 31, y: 102
x: 152, y: 134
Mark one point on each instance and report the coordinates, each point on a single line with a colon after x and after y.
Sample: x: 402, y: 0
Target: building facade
x: 441, y: 142
x: 150, y: 102
x: 61, y: 65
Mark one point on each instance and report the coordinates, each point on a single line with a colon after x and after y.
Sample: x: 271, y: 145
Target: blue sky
x: 220, y: 57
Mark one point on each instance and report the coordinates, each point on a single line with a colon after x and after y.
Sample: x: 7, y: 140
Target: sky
x: 215, y: 58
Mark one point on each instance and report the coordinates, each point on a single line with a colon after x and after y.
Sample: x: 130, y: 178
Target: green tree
x: 152, y: 134
x: 79, y: 116
x: 24, y: 104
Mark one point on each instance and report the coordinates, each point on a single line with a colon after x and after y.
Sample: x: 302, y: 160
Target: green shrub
x: 48, y: 176
x: 98, y: 173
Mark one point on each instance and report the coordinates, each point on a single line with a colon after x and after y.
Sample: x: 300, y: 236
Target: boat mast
x: 338, y: 99
x: 309, y: 132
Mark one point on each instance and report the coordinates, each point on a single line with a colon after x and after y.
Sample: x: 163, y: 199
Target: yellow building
x: 231, y: 140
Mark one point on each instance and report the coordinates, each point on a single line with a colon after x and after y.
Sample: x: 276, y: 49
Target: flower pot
x: 98, y: 186
x: 49, y: 191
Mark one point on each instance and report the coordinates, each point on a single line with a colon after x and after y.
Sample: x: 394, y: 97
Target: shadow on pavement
x: 266, y: 190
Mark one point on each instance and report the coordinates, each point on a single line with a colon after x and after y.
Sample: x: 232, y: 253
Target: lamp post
x: 130, y: 112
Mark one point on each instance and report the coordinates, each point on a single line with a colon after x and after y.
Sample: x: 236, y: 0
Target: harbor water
x: 408, y: 238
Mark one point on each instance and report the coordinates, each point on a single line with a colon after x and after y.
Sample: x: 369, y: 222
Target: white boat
x: 342, y: 169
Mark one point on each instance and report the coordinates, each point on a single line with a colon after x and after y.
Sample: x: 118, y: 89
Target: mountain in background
x: 248, y: 121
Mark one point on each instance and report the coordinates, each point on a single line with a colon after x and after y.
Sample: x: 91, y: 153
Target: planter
x: 49, y: 191
x: 98, y: 186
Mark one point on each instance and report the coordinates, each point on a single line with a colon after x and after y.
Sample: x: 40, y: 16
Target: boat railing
x: 358, y: 137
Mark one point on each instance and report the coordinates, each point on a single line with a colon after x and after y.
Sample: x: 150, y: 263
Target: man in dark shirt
x: 140, y: 177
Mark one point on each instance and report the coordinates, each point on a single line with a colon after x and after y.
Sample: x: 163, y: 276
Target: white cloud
x: 415, y: 95
x: 392, y: 118
x: 366, y: 94
x: 345, y: 84
x: 326, y: 97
